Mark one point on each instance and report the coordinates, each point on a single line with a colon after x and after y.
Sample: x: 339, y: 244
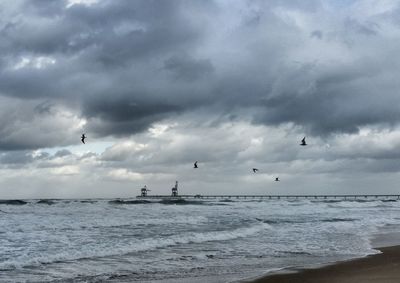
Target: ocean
x: 193, y: 241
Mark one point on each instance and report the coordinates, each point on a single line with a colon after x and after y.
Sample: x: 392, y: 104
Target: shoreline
x: 383, y: 267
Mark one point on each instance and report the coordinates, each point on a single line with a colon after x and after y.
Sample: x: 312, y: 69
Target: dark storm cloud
x: 335, y: 99
x: 123, y: 65
x: 95, y: 49
x: 122, y: 116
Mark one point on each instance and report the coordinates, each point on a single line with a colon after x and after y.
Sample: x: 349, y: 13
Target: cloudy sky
x: 156, y: 85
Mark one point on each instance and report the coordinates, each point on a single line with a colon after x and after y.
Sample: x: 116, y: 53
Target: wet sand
x: 379, y: 268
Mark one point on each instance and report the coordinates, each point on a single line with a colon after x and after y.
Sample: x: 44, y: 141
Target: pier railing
x: 346, y: 197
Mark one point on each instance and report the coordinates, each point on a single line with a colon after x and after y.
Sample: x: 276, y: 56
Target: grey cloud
x: 114, y: 62
x: 115, y: 110
x: 79, y: 27
x: 339, y: 100
x: 367, y: 28
x: 14, y: 158
x: 186, y: 68
x: 94, y: 49
x: 62, y: 153
x: 17, y: 159
x: 44, y: 107
x: 88, y: 155
x: 122, y: 116
x: 317, y: 34
x: 33, y: 124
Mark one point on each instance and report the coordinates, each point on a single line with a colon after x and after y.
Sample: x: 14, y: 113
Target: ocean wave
x: 13, y: 202
x: 313, y: 220
x: 88, y: 201
x: 180, y: 201
x: 193, y: 220
x: 120, y: 201
x: 357, y: 204
x: 190, y: 202
x: 99, y: 251
x: 295, y: 252
x: 338, y: 220
x: 326, y: 201
x: 226, y: 200
x: 46, y: 201
x: 88, y: 239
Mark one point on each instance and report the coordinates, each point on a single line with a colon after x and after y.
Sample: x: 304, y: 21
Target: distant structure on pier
x: 143, y: 191
x: 175, y: 190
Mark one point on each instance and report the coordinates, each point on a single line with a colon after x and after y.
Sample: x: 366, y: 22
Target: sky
x: 235, y: 85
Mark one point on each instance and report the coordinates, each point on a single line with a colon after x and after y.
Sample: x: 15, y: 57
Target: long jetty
x: 345, y: 197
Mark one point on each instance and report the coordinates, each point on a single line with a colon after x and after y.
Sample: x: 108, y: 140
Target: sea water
x: 203, y: 241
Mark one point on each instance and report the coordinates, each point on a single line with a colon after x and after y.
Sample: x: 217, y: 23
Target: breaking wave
x: 99, y: 251
x: 13, y: 202
x: 120, y: 201
x: 46, y: 201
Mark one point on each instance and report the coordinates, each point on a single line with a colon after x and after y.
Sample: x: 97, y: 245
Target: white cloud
x: 124, y: 175
x: 81, y: 2
x: 38, y: 62
x: 65, y: 170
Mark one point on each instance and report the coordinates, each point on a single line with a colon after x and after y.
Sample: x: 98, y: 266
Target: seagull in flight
x: 255, y: 170
x: 83, y: 137
x: 303, y: 142
x: 195, y: 165
x: 277, y: 179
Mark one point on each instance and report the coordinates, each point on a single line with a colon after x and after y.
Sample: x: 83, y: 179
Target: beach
x: 378, y: 268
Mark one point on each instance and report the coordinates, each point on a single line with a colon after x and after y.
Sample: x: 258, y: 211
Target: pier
x: 174, y: 195
x: 287, y: 197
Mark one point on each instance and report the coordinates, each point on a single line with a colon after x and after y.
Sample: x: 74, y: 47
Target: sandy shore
x: 379, y: 268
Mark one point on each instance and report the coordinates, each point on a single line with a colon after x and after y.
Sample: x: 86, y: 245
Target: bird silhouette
x: 303, y: 142
x: 195, y: 165
x: 255, y: 170
x: 83, y: 138
x: 277, y: 179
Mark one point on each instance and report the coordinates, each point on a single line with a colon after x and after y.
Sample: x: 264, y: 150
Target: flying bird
x: 83, y: 138
x: 303, y: 142
x: 277, y: 179
x: 195, y: 165
x: 255, y: 170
